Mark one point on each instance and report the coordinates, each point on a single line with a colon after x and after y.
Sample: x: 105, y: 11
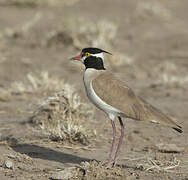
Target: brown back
x: 116, y: 93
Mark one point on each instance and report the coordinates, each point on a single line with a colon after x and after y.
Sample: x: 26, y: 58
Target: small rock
x: 63, y: 175
x: 9, y: 164
x: 84, y: 164
x: 11, y: 156
x: 169, y: 148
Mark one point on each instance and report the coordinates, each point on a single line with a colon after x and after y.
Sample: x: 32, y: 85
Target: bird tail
x: 178, y: 129
x: 161, y: 118
x: 165, y: 120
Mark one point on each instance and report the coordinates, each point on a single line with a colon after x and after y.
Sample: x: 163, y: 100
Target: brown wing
x: 115, y: 93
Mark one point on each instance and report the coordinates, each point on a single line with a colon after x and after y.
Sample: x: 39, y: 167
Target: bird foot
x: 109, y: 164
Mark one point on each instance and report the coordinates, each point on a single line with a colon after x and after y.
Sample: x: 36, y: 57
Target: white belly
x: 96, y: 100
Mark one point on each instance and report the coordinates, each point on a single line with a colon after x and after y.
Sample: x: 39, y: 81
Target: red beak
x: 76, y: 58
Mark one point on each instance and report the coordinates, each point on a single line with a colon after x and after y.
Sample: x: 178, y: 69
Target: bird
x: 115, y: 98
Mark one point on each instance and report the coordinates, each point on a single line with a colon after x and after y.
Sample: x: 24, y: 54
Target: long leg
x: 113, y: 144
x: 120, y: 140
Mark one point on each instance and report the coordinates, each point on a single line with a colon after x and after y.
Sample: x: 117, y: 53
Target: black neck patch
x: 94, y: 62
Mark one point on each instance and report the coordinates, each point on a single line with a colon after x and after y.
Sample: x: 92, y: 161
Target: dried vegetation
x: 82, y: 32
x: 41, y: 83
x: 169, y: 75
x: 158, y: 164
x: 33, y: 3
x: 96, y: 170
x: 65, y: 118
x: 62, y: 116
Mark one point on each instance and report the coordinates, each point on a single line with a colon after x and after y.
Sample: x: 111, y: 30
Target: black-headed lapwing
x: 115, y: 98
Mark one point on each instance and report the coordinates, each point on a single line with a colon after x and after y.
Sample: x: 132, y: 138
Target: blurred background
x: 41, y: 92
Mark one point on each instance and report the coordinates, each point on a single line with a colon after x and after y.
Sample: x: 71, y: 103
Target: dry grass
x: 118, y: 59
x: 64, y: 117
x: 158, y: 164
x: 169, y: 75
x: 33, y: 3
x: 3, y: 55
x: 41, y: 83
x: 5, y: 95
x: 99, y: 34
x: 82, y: 32
x: 26, y: 2
x: 171, y: 80
x: 152, y: 8
x: 73, y: 31
x: 20, y: 30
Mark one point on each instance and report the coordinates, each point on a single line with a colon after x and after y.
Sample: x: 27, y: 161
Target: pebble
x: 84, y: 164
x: 9, y: 164
x: 11, y: 156
x: 63, y: 175
x: 169, y: 148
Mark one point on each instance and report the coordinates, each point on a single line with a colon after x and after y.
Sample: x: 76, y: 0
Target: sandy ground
x: 152, y: 39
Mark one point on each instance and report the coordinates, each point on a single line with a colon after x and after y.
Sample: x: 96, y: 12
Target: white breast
x: 96, y: 100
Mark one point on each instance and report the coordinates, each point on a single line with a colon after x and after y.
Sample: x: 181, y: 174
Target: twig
x: 79, y: 147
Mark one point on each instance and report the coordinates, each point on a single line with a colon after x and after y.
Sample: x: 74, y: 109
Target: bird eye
x: 87, y: 54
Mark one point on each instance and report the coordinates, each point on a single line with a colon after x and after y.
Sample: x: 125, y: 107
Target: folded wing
x: 116, y: 93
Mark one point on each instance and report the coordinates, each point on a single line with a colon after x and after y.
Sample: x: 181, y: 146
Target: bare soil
x: 152, y: 36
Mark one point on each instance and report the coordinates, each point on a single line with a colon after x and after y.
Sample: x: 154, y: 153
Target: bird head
x: 92, y: 58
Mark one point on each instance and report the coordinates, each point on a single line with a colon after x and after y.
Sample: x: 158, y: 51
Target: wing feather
x: 116, y: 93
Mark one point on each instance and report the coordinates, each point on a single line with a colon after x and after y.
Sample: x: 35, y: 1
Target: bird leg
x: 120, y: 140
x: 108, y: 165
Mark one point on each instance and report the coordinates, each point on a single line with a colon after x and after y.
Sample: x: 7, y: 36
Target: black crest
x: 93, y: 50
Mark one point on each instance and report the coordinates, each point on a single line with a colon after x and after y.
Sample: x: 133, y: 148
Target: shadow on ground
x: 35, y: 151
